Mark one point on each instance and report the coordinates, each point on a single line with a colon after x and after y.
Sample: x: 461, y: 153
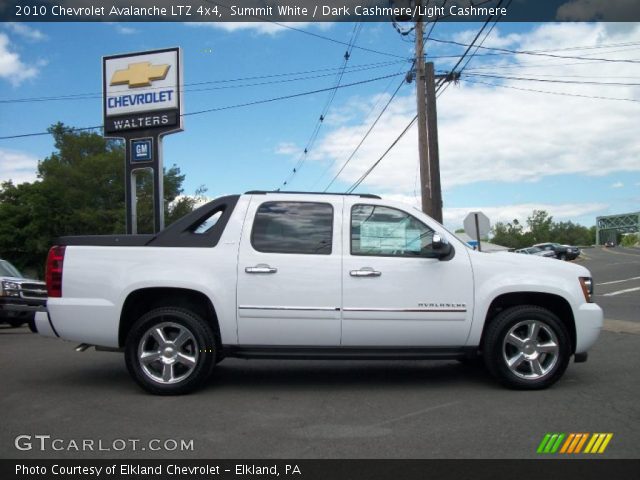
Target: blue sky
x: 503, y: 151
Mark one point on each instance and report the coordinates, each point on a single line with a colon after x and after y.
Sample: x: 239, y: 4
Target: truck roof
x: 265, y: 192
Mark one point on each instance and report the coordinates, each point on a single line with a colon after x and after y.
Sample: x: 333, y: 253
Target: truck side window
x: 384, y: 231
x: 293, y: 227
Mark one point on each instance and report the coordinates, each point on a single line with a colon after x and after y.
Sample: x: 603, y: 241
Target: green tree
x: 539, y: 223
x: 79, y: 191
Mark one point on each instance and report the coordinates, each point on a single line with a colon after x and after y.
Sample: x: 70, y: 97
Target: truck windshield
x: 8, y: 270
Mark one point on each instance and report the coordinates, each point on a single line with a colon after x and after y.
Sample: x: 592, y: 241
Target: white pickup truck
x: 313, y: 276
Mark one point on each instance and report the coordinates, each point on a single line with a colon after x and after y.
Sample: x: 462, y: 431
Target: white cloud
x: 124, y: 30
x: 287, y: 148
x: 502, y: 135
x: 617, y: 185
x: 453, y: 217
x: 17, y: 166
x: 12, y: 68
x: 25, y: 31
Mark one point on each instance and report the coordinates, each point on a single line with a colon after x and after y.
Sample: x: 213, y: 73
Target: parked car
x: 562, y: 252
x: 314, y: 276
x: 609, y: 244
x: 20, y: 297
x: 537, y: 251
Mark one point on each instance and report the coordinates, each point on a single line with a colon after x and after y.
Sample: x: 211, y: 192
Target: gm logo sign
x: 141, y: 150
x: 574, y: 443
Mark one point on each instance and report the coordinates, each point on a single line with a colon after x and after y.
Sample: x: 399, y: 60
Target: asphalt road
x: 323, y: 409
x: 616, y: 272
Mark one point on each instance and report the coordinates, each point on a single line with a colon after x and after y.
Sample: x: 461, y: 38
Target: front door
x: 396, y: 292
x: 289, y: 272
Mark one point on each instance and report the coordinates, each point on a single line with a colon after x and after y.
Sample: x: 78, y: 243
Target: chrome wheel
x: 530, y: 349
x: 168, y: 353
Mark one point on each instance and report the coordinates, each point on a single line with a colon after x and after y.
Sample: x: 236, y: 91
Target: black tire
x: 563, y: 256
x: 32, y: 325
x: 524, y: 375
x: 200, y: 348
x: 16, y: 323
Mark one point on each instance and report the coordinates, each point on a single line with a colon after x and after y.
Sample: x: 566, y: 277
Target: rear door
x: 289, y: 271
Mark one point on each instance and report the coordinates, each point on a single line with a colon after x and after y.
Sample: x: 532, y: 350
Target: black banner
x: 160, y: 120
x: 317, y: 10
x: 592, y: 469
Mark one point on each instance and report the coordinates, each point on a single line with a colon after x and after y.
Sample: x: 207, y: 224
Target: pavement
x: 329, y: 409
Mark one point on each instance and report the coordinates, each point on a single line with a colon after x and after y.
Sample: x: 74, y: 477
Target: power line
x: 438, y: 91
x: 230, y: 107
x: 352, y: 69
x: 534, y: 53
x: 551, y: 80
x: 366, y: 135
x: 564, y: 94
x: 372, y: 167
x: 311, y: 34
x: 314, y: 135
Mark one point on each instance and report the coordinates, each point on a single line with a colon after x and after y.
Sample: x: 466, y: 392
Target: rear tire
x: 15, y: 323
x: 527, y: 347
x: 170, y: 351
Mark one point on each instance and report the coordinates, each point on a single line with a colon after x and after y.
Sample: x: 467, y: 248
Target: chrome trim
x: 261, y: 268
x: 306, y: 309
x: 409, y: 310
x: 365, y: 272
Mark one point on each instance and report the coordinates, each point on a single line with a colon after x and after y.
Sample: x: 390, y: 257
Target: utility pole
x: 425, y: 171
x: 432, y: 143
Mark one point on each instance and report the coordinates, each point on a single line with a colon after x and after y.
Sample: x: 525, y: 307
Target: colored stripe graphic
x: 598, y: 442
x: 573, y: 443
x: 550, y: 443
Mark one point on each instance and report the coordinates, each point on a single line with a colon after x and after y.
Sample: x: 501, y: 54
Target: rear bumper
x: 589, y: 319
x: 44, y: 326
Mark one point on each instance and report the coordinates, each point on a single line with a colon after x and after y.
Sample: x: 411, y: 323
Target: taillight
x: 55, y: 259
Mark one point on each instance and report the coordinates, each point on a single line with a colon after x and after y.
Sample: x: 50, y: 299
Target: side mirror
x: 440, y: 246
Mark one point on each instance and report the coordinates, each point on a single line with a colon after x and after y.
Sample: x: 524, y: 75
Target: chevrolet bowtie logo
x: 139, y: 74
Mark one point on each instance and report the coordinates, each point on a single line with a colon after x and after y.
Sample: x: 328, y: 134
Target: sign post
x: 142, y: 102
x: 477, y: 225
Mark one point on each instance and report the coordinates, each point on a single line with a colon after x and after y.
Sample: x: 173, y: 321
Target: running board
x: 348, y: 353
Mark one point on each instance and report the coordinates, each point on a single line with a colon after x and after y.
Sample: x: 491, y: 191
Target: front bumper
x: 17, y: 308
x: 588, y: 319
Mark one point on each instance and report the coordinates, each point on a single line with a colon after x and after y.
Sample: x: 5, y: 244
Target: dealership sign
x: 142, y: 102
x: 142, y: 91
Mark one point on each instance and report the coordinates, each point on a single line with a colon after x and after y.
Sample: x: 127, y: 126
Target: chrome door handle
x: 365, y: 272
x: 261, y: 268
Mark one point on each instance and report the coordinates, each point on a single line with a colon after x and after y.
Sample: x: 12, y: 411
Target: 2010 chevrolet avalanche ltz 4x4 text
x: 297, y: 275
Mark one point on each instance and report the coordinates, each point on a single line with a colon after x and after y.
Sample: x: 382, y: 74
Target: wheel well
x: 551, y: 302
x: 146, y: 299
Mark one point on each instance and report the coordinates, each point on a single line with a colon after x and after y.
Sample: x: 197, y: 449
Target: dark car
x: 610, y: 244
x: 563, y: 252
x: 20, y: 297
x: 537, y: 252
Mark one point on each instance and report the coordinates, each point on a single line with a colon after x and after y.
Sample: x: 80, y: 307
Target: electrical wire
x: 314, y: 135
x: 352, y: 69
x: 229, y: 107
x: 377, y: 162
x: 564, y: 94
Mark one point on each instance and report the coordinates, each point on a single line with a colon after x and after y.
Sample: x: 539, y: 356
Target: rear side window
x: 293, y: 227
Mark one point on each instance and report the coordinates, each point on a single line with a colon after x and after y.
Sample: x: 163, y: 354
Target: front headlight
x: 10, y: 289
x: 587, y: 288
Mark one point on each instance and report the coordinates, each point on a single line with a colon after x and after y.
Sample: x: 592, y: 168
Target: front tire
x: 170, y: 351
x: 527, y: 347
